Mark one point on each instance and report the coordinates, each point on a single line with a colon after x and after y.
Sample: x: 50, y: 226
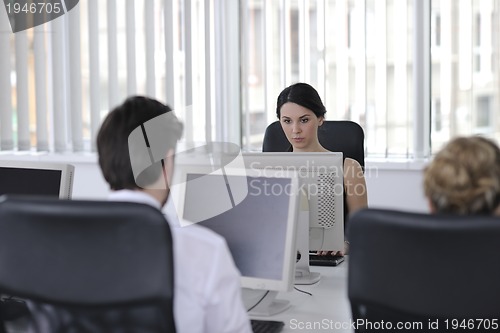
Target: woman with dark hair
x: 301, y: 112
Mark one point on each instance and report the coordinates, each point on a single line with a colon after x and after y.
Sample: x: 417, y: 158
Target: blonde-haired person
x: 464, y: 177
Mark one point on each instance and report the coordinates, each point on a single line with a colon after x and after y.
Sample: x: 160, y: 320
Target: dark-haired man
x: 136, y: 145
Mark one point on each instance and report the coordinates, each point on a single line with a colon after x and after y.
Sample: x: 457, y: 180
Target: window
x: 464, y: 77
x: 359, y: 56
x: 437, y: 116
x: 437, y: 30
x: 62, y: 77
x: 350, y: 51
x: 223, y: 81
x: 484, y: 112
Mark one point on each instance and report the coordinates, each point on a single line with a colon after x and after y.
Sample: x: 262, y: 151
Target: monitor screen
x: 264, y: 215
x: 321, y: 182
x: 255, y: 213
x: 36, y: 178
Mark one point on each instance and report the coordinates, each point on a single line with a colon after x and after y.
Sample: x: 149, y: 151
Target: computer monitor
x: 257, y: 215
x: 36, y: 178
x: 321, y: 183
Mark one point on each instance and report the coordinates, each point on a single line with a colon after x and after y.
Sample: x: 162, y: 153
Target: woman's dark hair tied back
x: 301, y: 94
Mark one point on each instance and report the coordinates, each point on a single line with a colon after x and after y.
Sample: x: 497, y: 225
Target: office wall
x: 89, y: 182
x: 397, y: 187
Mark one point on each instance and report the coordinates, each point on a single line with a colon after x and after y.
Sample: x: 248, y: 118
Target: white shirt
x: 207, y: 289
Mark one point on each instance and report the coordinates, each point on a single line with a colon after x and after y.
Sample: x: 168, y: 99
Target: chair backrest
x: 91, y: 266
x: 416, y: 267
x: 335, y: 135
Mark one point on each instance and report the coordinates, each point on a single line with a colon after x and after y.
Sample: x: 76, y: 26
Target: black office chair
x: 335, y: 135
x: 87, y: 266
x: 410, y: 267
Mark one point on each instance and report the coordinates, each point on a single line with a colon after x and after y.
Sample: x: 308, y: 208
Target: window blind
x: 61, y: 78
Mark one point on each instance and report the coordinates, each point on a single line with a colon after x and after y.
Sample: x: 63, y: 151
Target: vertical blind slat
x: 287, y: 45
x: 232, y: 71
x: 208, y: 73
x: 269, y: 62
x: 169, y: 53
x: 358, y: 41
x: 23, y: 131
x: 421, y: 70
x: 229, y: 126
x: 400, y: 70
x: 6, y: 141
x: 304, y: 42
x: 188, y: 70
x: 94, y: 80
x: 219, y: 61
x: 114, y: 98
x: 342, y: 57
x: 282, y: 60
x: 247, y: 20
x: 321, y: 40
x: 380, y: 71
x: 59, y: 116
x: 131, y: 58
x: 446, y: 58
x: 42, y: 141
x: 307, y: 41
x: 149, y: 21
x: 464, y: 45
x: 75, y: 66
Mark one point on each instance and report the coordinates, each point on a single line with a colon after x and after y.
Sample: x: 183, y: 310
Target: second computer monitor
x: 257, y: 215
x: 36, y: 178
x: 321, y: 182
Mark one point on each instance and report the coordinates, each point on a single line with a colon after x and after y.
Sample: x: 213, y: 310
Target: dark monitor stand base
x: 325, y: 260
x: 266, y: 326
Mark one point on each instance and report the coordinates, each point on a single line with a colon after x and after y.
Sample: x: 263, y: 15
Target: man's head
x: 117, y: 152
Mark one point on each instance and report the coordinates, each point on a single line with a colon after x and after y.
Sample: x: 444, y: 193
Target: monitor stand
x: 303, y: 275
x: 263, y: 303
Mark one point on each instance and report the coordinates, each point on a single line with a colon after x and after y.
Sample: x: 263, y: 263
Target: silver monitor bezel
x: 67, y: 173
x: 286, y: 283
x: 333, y: 238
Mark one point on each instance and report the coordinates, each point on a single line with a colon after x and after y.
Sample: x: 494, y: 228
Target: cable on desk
x: 303, y: 291
x: 260, y: 300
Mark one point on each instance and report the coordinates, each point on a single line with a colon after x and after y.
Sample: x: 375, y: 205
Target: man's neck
x: 159, y: 195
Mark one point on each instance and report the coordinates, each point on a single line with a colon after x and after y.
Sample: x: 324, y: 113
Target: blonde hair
x: 464, y: 177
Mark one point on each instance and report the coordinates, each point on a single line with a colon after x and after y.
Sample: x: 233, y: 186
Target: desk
x: 327, y: 308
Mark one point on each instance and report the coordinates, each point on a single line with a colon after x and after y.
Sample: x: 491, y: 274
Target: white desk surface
x: 327, y: 310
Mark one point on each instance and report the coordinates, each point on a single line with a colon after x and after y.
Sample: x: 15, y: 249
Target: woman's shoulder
x: 352, y: 163
x: 352, y: 169
x: 348, y: 162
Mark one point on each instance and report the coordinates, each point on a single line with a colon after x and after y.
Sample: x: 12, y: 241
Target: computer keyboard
x: 317, y: 260
x: 266, y: 326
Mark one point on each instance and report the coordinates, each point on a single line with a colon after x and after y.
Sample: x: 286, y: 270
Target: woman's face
x: 300, y: 126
